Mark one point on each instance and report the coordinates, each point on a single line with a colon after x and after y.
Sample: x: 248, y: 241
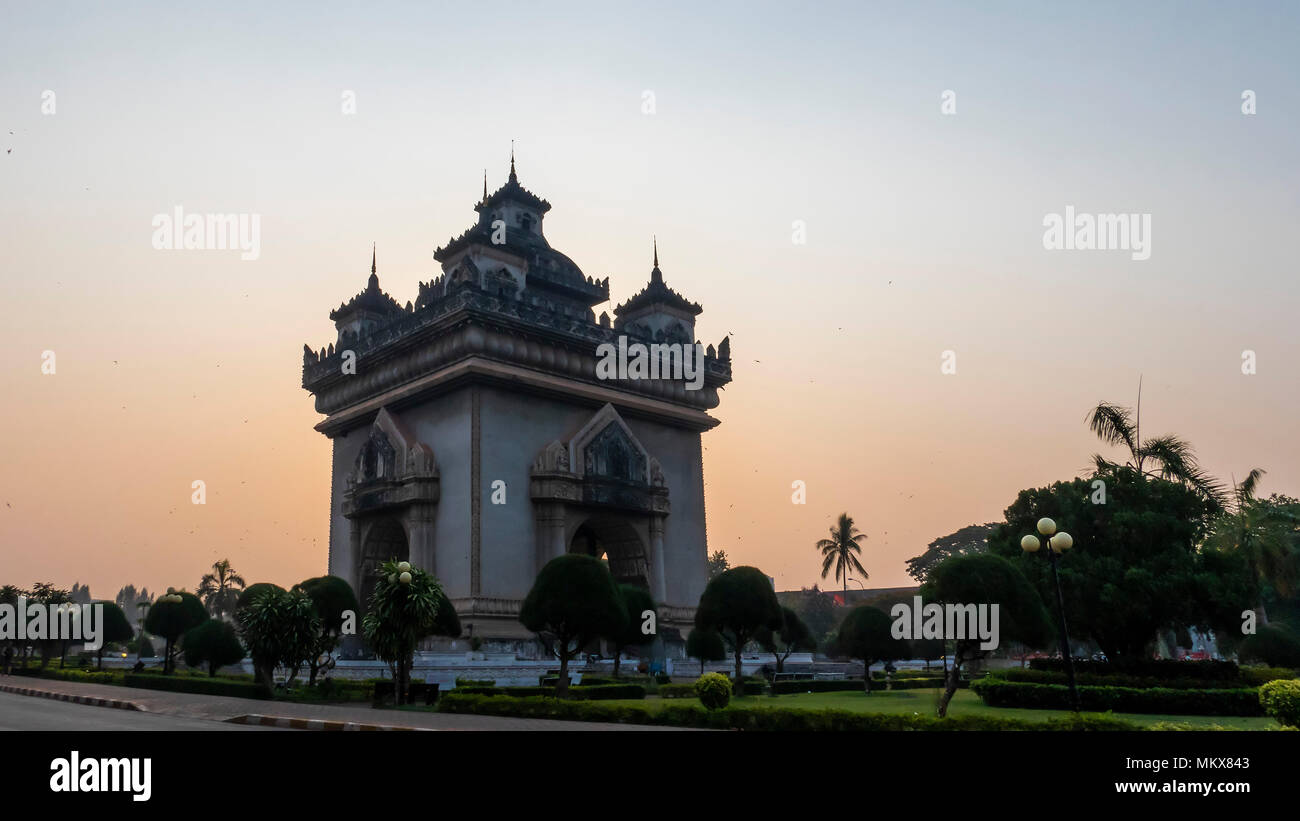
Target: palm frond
x: 1246, y: 489
x: 1113, y: 425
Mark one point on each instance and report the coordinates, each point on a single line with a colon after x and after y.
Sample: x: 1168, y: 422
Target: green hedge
x: 86, y: 676
x: 204, y: 686
x: 996, y: 692
x: 1112, y: 680
x: 595, y: 692
x: 937, y: 672
x: 1257, y: 676
x: 755, y: 718
x: 1225, y: 671
x: 814, y: 686
x: 677, y: 691
x: 925, y: 683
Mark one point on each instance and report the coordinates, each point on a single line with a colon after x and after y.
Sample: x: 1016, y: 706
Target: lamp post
x: 1057, y: 543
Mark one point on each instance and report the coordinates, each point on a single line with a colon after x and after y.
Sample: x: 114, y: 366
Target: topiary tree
x: 1273, y: 645
x: 636, y: 601
x: 713, y: 690
x: 446, y: 623
x: 866, y: 634
x: 573, y: 602
x: 214, y: 643
x: 705, y: 645
x: 794, y: 636
x: 333, y: 599
x: 279, y: 627
x: 403, y: 610
x: 250, y: 594
x: 171, y: 617
x: 114, y: 628
x: 737, y: 604
x: 989, y: 579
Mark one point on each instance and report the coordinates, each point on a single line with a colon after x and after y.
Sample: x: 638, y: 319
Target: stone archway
x: 385, y: 539
x: 615, y: 539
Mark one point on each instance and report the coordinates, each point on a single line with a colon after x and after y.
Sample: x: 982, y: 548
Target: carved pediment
x: 392, y: 452
x: 554, y: 458
x: 614, y: 454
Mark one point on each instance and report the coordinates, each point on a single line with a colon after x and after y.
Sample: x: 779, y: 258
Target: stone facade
x: 473, y: 436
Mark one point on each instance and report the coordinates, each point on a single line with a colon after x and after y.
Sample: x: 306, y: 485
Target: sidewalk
x: 304, y: 716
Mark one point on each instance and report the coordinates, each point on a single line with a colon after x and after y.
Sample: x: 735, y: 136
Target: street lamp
x: 1057, y: 543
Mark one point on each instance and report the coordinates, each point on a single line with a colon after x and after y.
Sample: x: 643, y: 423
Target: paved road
x: 28, y: 713
x: 204, y: 709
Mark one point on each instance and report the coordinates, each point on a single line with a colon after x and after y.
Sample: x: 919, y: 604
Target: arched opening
x: 614, y: 540
x: 385, y: 540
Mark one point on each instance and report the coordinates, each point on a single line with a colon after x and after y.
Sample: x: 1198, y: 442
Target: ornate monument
x: 473, y: 435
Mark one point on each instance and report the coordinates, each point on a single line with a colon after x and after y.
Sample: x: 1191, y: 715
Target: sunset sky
x: 924, y: 235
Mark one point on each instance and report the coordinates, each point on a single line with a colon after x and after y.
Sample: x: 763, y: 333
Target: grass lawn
x: 964, y: 703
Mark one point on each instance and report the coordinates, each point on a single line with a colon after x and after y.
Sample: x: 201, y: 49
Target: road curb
x: 94, y: 701
x: 287, y: 723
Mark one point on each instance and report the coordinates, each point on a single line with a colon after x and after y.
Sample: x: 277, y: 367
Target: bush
x: 1120, y: 679
x: 596, y: 692
x: 713, y: 690
x: 476, y: 682
x: 936, y: 682
x: 86, y: 676
x: 1281, y: 700
x: 1257, y: 676
x: 204, y: 686
x: 677, y: 691
x: 1226, y: 671
x: 997, y: 692
x: 814, y: 686
x: 758, y: 718
x: 751, y: 686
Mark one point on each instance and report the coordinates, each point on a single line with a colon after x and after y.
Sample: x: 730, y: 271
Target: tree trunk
x: 950, y: 684
x: 562, y: 683
x: 866, y: 676
x: 101, y: 659
x: 738, y: 686
x: 618, y: 652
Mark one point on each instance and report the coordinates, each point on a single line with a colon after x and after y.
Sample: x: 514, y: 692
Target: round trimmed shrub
x: 1281, y: 700
x: 213, y: 644
x: 713, y: 690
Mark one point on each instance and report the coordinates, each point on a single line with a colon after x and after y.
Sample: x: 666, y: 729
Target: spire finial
x: 656, y: 244
x: 484, y: 185
x: 372, y: 258
x: 513, y: 178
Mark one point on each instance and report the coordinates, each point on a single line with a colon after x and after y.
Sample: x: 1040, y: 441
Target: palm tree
x: 1267, y: 534
x: 841, y: 550
x: 220, y: 589
x: 1165, y: 457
